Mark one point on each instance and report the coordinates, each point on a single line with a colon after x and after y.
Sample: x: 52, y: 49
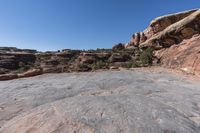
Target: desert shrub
x: 146, y: 56
x: 119, y: 46
x: 130, y: 65
x: 25, y: 66
x: 99, y: 65
x: 83, y: 68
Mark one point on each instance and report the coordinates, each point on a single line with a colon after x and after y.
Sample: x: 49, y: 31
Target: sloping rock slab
x: 185, y: 56
x: 100, y: 102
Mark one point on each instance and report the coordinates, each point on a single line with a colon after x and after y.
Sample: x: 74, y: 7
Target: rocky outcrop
x: 162, y: 33
x: 172, y: 38
x: 13, y: 60
x: 175, y: 33
x: 160, y: 23
x: 8, y: 76
x: 136, y: 40
x: 31, y: 73
x: 185, y: 56
x: 87, y: 58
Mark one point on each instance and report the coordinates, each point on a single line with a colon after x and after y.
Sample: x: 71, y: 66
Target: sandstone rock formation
x: 168, y: 34
x: 31, y: 73
x: 26, y: 64
x: 175, y: 33
x: 12, y: 60
x: 185, y: 56
x: 160, y: 23
x: 162, y: 33
x: 8, y: 76
x: 107, y: 101
x: 100, y: 102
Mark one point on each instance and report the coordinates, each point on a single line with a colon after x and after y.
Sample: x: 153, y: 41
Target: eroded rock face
x: 100, y: 102
x: 9, y: 76
x: 175, y: 33
x: 174, y: 37
x: 12, y: 60
x: 168, y: 30
x: 185, y: 56
x: 160, y: 23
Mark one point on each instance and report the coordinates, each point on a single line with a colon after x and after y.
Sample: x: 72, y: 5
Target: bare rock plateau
x: 100, y: 102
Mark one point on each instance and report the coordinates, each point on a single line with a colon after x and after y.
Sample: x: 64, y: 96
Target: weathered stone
x: 175, y: 33
x: 31, y: 73
x: 9, y: 76
x: 185, y: 56
x: 160, y: 23
x: 87, y: 58
x: 12, y: 60
x: 135, y: 40
x: 101, y: 102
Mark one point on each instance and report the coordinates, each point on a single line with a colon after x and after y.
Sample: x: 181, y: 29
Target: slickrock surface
x: 100, y: 102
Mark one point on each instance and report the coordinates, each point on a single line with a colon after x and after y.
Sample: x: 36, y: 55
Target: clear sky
x: 79, y: 24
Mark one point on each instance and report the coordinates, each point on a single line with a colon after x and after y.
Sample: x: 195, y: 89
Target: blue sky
x: 79, y: 24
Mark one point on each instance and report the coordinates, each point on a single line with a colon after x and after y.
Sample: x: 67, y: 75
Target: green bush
x: 146, y: 56
x: 25, y: 66
x: 130, y: 65
x: 99, y: 65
